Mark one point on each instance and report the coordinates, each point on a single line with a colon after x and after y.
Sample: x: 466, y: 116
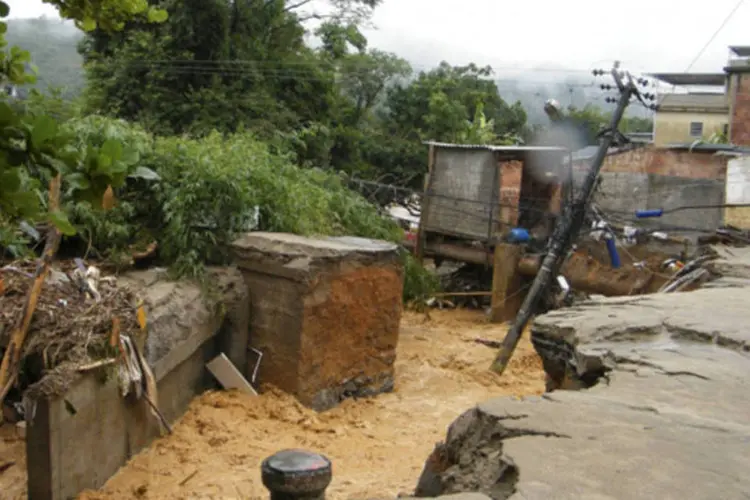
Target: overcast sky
x: 651, y: 35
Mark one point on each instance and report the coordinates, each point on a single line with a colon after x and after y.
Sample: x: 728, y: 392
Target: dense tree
x: 35, y: 151
x: 439, y: 103
x: 109, y: 15
x: 592, y: 120
x: 244, y: 64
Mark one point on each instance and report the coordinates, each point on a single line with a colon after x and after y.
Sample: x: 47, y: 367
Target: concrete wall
x: 672, y: 127
x: 463, y: 188
x: 476, y: 193
x: 653, y: 178
x: 738, y: 192
x: 79, y: 439
x: 325, y: 314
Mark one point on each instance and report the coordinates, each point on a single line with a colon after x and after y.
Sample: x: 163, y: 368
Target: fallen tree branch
x: 297, y: 5
x: 96, y: 364
x: 189, y: 477
x: 159, y: 414
x: 12, y: 357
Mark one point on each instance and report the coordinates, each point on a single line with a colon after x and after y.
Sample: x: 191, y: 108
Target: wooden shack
x: 475, y: 195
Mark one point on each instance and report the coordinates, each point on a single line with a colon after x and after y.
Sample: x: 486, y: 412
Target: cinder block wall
x: 653, y: 178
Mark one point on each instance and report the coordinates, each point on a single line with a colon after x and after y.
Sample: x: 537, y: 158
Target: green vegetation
x: 191, y: 113
x: 593, y: 120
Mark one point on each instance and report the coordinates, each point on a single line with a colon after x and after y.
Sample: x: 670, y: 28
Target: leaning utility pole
x: 570, y: 223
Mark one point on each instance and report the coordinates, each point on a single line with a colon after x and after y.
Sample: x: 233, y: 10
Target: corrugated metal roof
x: 740, y: 50
x: 703, y: 147
x: 691, y: 78
x: 589, y: 152
x: 708, y: 102
x: 586, y: 153
x: 490, y: 147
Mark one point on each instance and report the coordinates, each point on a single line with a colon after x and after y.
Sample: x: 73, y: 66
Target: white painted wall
x: 738, y: 192
x: 738, y: 180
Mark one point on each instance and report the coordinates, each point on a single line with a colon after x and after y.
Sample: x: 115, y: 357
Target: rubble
x: 664, y: 401
x: 726, y: 235
x: 70, y: 327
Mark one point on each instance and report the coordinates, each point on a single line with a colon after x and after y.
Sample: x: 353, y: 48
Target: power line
x: 708, y: 43
x: 258, y: 62
x: 716, y: 33
x: 297, y: 73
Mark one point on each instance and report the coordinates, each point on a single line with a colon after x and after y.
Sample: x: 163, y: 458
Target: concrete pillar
x: 739, y: 105
x: 506, y: 282
x: 511, y: 176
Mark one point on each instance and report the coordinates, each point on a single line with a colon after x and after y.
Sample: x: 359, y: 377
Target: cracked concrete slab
x: 713, y: 315
x: 666, y: 417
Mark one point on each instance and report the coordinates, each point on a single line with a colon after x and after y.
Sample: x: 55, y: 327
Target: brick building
x: 651, y: 177
x: 738, y: 96
x: 711, y: 104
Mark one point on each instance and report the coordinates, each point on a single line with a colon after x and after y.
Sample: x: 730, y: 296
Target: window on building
x: 696, y: 129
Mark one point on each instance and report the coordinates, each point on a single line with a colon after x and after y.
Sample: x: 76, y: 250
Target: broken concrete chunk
x: 228, y: 375
x: 470, y: 460
x: 325, y: 313
x: 649, y: 435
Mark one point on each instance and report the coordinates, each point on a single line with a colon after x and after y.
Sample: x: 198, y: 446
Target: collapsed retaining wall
x: 325, y: 314
x: 663, y: 413
x: 79, y: 440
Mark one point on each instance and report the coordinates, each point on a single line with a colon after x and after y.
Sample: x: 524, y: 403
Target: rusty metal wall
x: 463, y: 193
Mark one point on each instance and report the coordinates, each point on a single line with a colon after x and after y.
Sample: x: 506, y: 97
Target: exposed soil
x: 378, y: 446
x: 349, y: 335
x: 12, y: 464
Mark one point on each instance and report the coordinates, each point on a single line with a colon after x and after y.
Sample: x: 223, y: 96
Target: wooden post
x: 506, y: 282
x: 421, y: 231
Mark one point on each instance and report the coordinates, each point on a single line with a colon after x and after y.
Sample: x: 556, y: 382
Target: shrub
x: 210, y: 187
x: 194, y: 196
x: 419, y: 283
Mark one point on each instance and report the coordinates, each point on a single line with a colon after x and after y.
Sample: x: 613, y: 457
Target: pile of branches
x: 726, y: 235
x: 70, y: 329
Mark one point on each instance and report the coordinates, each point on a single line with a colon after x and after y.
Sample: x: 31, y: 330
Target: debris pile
x: 727, y: 235
x: 82, y: 321
x: 465, y: 286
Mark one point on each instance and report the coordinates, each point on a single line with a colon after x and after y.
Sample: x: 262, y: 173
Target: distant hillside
x: 52, y: 44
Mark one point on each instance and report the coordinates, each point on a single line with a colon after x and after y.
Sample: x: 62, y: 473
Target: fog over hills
x: 53, y: 42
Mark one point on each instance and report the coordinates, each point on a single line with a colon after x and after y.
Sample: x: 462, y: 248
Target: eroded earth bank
x: 666, y: 418
x: 378, y: 446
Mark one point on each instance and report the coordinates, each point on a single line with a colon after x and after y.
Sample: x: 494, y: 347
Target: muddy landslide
x: 378, y: 446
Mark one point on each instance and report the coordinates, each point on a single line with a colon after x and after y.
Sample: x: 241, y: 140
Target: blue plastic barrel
x: 645, y: 214
x: 518, y: 235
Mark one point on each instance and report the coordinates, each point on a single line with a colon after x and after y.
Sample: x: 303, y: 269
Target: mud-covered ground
x: 12, y: 464
x: 378, y: 446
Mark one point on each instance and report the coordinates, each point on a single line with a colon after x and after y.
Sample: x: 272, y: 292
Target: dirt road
x: 378, y: 446
x: 12, y: 464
